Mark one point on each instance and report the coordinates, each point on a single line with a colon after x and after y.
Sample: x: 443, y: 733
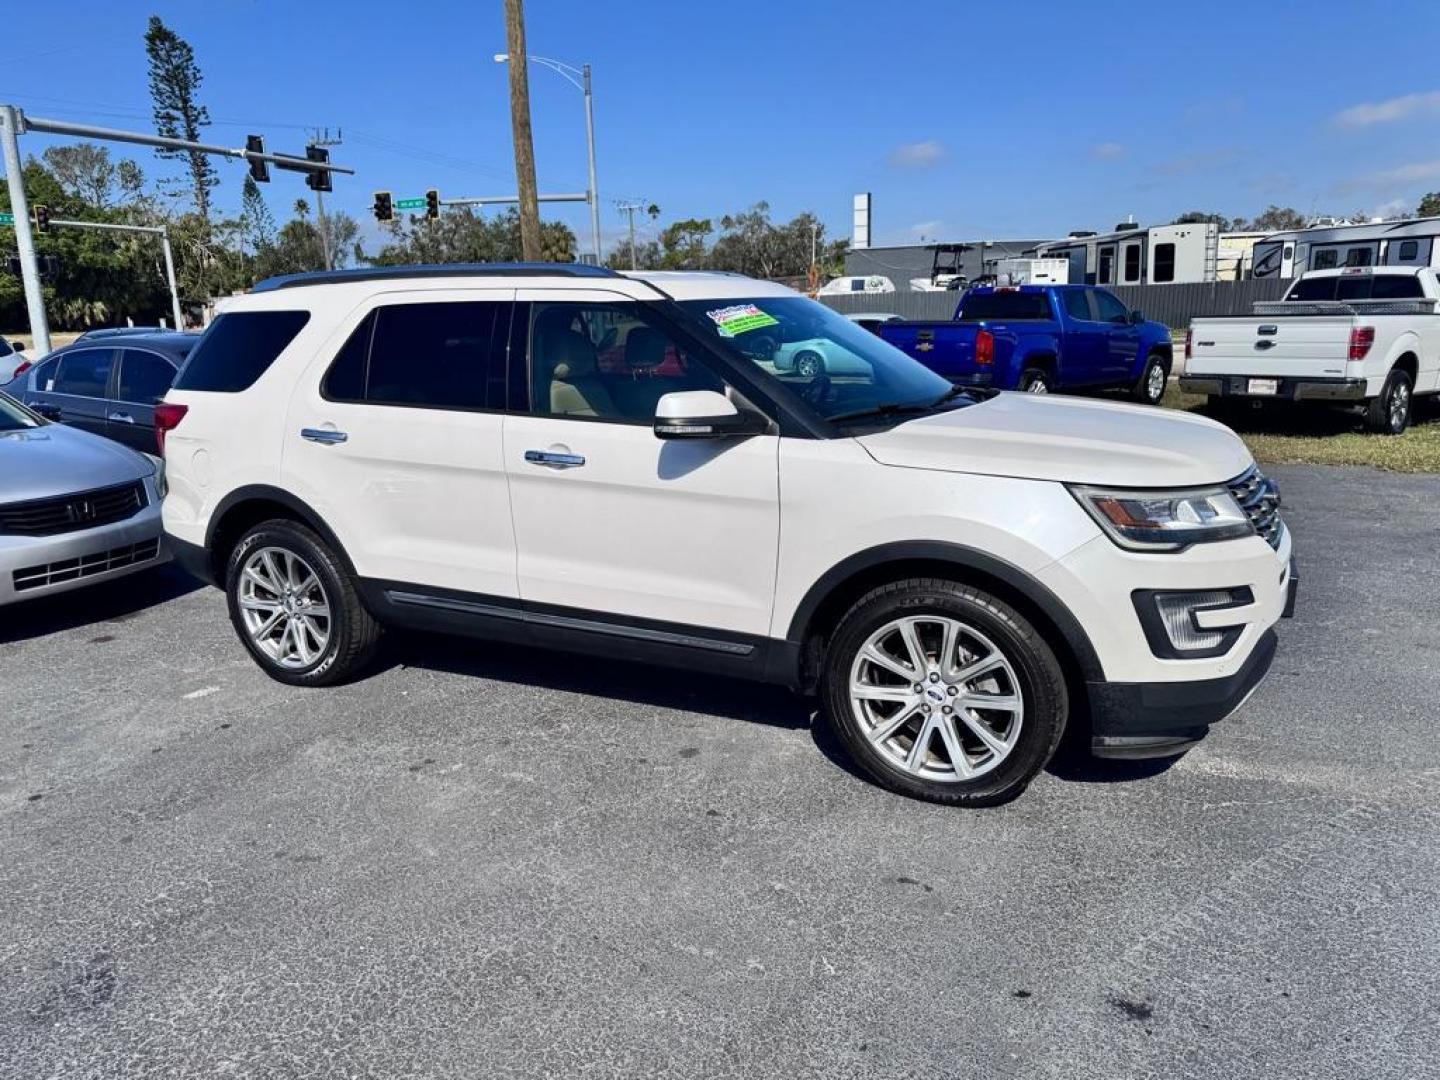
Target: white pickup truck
x: 1360, y: 336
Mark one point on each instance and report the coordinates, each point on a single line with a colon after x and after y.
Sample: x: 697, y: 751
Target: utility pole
x: 24, y: 238
x: 628, y: 209
x: 520, y: 130
x: 322, y: 138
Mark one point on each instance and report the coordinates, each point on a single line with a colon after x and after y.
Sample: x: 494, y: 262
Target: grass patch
x: 1322, y: 435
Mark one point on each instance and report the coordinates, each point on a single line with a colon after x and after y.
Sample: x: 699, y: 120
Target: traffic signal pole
x: 24, y: 238
x: 16, y: 123
x: 149, y: 230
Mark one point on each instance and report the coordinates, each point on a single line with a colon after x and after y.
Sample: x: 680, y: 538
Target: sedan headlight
x: 1165, y: 520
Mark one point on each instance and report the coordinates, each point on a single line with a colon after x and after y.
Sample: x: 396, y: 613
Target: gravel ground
x: 485, y: 863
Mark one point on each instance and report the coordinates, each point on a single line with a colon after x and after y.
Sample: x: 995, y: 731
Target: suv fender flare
x: 962, y: 558
x: 302, y: 511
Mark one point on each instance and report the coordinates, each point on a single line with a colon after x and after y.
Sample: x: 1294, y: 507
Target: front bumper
x: 36, y: 566
x: 1313, y: 389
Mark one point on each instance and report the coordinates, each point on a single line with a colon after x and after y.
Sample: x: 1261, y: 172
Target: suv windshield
x: 14, y: 417
x: 839, y: 368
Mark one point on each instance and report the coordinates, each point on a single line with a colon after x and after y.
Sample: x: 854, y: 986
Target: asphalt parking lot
x: 480, y: 862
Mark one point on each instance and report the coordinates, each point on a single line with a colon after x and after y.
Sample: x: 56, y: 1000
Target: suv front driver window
x: 606, y: 362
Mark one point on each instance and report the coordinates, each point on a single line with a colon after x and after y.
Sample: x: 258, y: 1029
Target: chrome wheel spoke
x: 870, y: 692
x: 959, y: 760
x: 982, y: 732
x: 255, y: 603
x: 921, y: 746
x: 876, y: 655
x: 972, y: 671
x: 999, y: 702
x: 913, y: 648
x: 886, y: 728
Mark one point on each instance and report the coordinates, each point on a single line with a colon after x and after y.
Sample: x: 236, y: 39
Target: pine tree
x: 174, y: 82
x: 257, y: 226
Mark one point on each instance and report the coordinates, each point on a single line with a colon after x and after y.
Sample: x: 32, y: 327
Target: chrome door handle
x: 122, y: 417
x: 321, y: 435
x: 554, y: 460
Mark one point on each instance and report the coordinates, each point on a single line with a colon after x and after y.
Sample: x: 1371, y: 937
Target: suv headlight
x: 1164, y: 520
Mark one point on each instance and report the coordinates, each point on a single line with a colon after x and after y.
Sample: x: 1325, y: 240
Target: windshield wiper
x: 895, y: 408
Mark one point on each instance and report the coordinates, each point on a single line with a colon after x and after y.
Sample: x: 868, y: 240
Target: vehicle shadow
x: 602, y: 677
x: 1309, y: 420
x: 111, y: 601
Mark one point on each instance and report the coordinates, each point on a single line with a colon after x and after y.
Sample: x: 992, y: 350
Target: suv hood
x: 1071, y: 440
x: 37, y: 463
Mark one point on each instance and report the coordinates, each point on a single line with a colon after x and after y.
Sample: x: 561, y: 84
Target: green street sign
x: 9, y: 219
x: 409, y: 204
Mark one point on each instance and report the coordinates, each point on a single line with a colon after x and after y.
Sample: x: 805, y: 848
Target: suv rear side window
x: 84, y: 373
x: 238, y: 348
x: 1012, y: 306
x: 437, y: 356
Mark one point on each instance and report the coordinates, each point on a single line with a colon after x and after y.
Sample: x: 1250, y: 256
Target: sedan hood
x: 37, y: 463
x: 1072, y: 440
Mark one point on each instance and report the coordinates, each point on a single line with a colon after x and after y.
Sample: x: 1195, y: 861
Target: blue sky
x: 965, y: 120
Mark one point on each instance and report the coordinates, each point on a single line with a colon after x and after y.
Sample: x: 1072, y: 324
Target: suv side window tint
x: 1110, y: 309
x: 144, y: 377
x: 238, y: 348
x: 437, y: 356
x: 606, y: 362
x: 84, y: 373
x: 1076, y: 306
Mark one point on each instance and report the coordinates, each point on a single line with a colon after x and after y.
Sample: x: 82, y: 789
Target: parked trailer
x: 1381, y: 243
x: 1132, y: 255
x: 1033, y: 271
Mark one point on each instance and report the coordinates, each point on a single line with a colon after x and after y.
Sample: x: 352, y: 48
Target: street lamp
x: 569, y: 73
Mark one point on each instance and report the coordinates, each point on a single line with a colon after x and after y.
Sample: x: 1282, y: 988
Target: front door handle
x: 322, y: 435
x: 122, y: 417
x: 554, y: 460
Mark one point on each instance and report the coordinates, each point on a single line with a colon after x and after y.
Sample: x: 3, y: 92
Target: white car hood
x: 1066, y: 439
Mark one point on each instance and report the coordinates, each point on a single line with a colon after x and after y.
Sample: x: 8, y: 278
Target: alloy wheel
x: 1155, y: 382
x: 284, y: 608
x: 936, y: 698
x: 1399, y: 406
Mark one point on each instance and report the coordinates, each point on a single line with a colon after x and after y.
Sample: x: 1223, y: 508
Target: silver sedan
x: 75, y: 509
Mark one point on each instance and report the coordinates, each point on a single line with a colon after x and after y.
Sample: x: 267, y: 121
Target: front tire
x: 295, y: 608
x: 1389, y: 414
x: 943, y: 692
x: 1151, y: 387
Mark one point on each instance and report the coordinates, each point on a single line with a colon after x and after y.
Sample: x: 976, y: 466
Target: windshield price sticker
x: 738, y: 318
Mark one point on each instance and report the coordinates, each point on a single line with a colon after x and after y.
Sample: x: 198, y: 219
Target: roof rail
x: 430, y: 270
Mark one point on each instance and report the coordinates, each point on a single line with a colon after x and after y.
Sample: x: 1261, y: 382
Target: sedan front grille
x: 37, y: 577
x: 1259, y: 497
x: 71, y: 513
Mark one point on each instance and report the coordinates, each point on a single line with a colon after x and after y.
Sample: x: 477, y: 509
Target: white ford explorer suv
x: 564, y: 456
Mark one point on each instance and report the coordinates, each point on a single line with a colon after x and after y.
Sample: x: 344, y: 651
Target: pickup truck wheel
x: 1151, y: 387
x: 1035, y: 381
x: 809, y: 364
x: 1389, y: 414
x: 943, y: 692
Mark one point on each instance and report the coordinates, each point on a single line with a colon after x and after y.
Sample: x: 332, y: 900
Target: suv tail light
x: 1361, y: 338
x: 167, y: 418
x: 1189, y: 343
x: 25, y: 366
x: 984, y: 347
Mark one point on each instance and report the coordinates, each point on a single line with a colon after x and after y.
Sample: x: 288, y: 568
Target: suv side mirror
x: 703, y: 414
x: 1136, y: 318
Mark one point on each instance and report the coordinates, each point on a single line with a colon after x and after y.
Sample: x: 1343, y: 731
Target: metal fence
x: 1173, y: 305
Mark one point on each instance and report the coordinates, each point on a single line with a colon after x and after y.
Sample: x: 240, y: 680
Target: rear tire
x: 1036, y: 381
x: 295, y: 607
x: 1389, y: 414
x: 973, y: 648
x: 1151, y: 387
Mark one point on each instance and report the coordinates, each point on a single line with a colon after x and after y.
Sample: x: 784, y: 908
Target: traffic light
x: 42, y: 218
x: 432, y: 203
x: 384, y: 206
x: 259, y: 170
x: 320, y: 179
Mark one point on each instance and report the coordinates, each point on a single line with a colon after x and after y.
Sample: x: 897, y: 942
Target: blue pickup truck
x: 1042, y: 338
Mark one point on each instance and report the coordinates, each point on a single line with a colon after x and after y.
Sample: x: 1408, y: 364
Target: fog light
x: 1173, y: 630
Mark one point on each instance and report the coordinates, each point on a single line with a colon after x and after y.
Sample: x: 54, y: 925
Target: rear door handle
x: 554, y: 460
x: 321, y: 435
x: 122, y: 417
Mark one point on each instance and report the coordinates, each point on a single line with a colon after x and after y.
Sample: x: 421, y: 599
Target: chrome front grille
x: 71, y: 513
x: 1259, y: 497
x: 101, y: 562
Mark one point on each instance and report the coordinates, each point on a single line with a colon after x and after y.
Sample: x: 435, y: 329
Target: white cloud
x: 1198, y: 161
x: 1418, y: 172
x: 918, y: 155
x: 1109, y: 151
x: 1224, y: 106
x: 926, y: 228
x: 1392, y: 208
x: 1385, y: 112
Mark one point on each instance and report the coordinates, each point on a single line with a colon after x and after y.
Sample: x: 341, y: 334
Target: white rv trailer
x: 1381, y: 243
x: 1132, y: 255
x: 1033, y: 272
